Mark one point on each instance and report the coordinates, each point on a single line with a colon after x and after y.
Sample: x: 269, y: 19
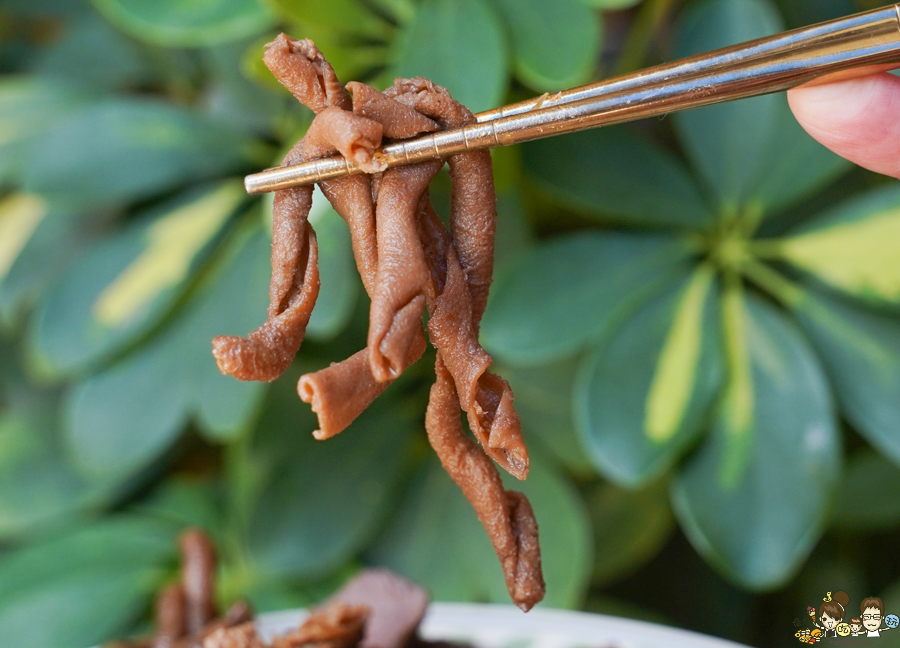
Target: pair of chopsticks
x: 850, y: 46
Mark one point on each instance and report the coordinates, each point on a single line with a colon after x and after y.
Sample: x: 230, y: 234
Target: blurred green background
x: 700, y: 316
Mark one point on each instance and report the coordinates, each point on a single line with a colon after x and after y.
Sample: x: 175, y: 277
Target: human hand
x: 858, y: 119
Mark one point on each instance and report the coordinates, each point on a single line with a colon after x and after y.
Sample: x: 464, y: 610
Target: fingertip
x: 855, y: 118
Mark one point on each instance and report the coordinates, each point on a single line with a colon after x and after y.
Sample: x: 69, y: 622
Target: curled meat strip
x: 409, y: 263
x: 506, y: 515
x: 268, y: 350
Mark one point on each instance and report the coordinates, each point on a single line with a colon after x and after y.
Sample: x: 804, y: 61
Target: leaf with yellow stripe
x: 855, y: 248
x: 122, y: 418
x: 760, y: 523
x: 126, y: 283
x: 20, y: 214
x: 643, y: 396
x: 735, y: 416
x: 51, y: 240
x: 860, y: 348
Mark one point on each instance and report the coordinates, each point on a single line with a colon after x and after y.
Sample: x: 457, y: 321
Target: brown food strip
x: 341, y: 392
x: 171, y: 613
x: 337, y: 625
x: 453, y: 324
x: 237, y: 614
x: 473, y: 212
x: 398, y: 120
x: 399, y: 301
x: 300, y: 67
x: 396, y: 607
x: 506, y: 516
x: 267, y: 352
x: 486, y: 398
x: 198, y: 571
x: 242, y: 636
x: 351, y: 198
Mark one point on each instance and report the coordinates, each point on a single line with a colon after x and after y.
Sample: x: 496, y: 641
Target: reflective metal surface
x: 848, y: 46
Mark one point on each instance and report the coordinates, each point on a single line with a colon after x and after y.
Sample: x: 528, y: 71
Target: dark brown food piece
x: 409, y: 263
x: 198, y: 566
x: 336, y: 625
x: 242, y: 636
x: 171, y: 611
x: 506, y: 515
x: 396, y: 607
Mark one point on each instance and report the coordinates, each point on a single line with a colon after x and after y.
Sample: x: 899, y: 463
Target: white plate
x: 505, y: 626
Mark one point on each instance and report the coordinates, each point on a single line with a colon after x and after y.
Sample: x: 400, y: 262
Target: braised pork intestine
x: 409, y: 263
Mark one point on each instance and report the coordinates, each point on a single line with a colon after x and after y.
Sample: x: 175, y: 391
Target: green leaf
x: 233, y: 98
x: 645, y: 394
x: 20, y: 216
x: 181, y: 23
x: 93, y: 53
x: 340, y: 282
x: 126, y: 149
x: 37, y: 261
x: 630, y: 527
x: 554, y: 45
x: 860, y: 349
x: 760, y: 526
x: 891, y: 598
x: 586, y: 282
x: 38, y: 487
x: 436, y: 540
x: 401, y: 11
x: 28, y: 107
x: 736, y: 408
x: 185, y: 501
x: 543, y: 403
x: 853, y: 247
x: 323, y: 500
x: 85, y: 586
x: 727, y: 143
x: 861, y: 503
x: 610, y: 5
x: 344, y: 16
x: 124, y: 285
x: 615, y: 173
x: 458, y: 44
x: 795, y: 165
x: 121, y: 419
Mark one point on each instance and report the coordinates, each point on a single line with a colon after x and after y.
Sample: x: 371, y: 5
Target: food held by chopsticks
x: 409, y: 262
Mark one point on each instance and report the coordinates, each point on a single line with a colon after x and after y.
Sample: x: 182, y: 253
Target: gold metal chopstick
x: 850, y: 45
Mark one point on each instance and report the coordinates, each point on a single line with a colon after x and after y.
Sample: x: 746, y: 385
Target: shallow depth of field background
x: 700, y: 316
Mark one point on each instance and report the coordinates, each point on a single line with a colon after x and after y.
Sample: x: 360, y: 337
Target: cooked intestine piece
x: 337, y: 625
x: 171, y: 613
x: 398, y: 120
x: 242, y: 636
x: 396, y: 606
x: 198, y: 572
x: 408, y: 263
x: 341, y: 392
x: 486, y: 399
x: 473, y: 206
x: 267, y: 351
x: 238, y: 614
x: 399, y: 300
x: 300, y: 67
x: 506, y: 516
